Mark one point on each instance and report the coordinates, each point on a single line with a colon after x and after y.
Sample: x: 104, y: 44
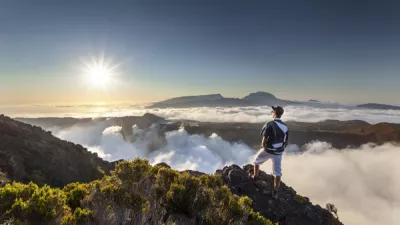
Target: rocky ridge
x: 289, y: 209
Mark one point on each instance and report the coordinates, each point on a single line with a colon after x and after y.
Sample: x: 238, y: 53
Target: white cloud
x: 305, y: 113
x: 296, y: 112
x: 179, y: 149
x: 195, y: 152
x: 99, y: 151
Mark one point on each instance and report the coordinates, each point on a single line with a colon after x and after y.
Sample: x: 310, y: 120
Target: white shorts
x: 263, y: 156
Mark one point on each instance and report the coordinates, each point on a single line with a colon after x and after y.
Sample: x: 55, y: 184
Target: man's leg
x: 261, y: 157
x: 256, y: 170
x: 277, y: 168
x: 277, y: 183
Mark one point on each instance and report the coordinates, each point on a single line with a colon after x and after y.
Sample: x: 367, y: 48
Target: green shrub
x: 222, y: 195
x: 18, y: 209
x: 114, y: 189
x: 245, y: 201
x: 211, y: 181
x: 205, y: 195
x: 83, y: 215
x: 68, y: 220
x: 182, y: 194
x: 165, y: 177
x: 29, y: 202
x: 45, y: 202
x: 75, y: 192
x: 300, y: 199
x: 79, y: 217
x: 132, y: 172
x: 128, y: 198
x: 256, y: 219
x: 11, y: 192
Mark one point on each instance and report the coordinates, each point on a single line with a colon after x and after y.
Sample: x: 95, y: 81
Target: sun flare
x: 99, y: 72
x: 99, y: 75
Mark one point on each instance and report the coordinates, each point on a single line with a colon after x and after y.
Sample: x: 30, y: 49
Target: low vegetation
x: 80, y: 216
x: 134, y: 185
x: 301, y: 199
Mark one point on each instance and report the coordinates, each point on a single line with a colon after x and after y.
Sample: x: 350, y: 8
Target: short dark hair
x: 278, y: 111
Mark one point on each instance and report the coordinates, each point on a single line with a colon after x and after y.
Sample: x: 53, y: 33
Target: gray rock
x: 286, y: 210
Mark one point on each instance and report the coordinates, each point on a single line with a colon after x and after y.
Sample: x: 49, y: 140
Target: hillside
x: 378, y: 106
x: 138, y: 193
x: 217, y: 100
x: 380, y: 132
x: 28, y: 153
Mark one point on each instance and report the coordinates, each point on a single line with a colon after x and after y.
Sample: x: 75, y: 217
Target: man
x: 275, y: 139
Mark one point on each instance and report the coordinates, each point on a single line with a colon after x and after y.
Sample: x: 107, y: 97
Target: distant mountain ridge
x: 184, y: 99
x: 378, y: 106
x: 217, y: 100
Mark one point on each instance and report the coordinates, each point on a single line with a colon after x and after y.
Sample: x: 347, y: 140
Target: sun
x: 99, y: 73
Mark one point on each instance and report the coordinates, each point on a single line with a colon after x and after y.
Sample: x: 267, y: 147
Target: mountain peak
x: 258, y: 95
x: 217, y: 100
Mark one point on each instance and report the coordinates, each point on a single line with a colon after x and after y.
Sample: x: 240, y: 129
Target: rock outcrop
x: 29, y: 153
x: 289, y: 209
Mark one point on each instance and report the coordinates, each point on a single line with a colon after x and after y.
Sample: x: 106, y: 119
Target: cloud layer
x: 301, y: 113
x: 305, y: 113
x: 176, y: 148
x: 363, y: 183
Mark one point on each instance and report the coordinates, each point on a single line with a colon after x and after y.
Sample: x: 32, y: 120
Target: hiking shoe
x: 275, y: 194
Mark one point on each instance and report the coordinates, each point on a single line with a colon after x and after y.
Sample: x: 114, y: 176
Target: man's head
x: 277, y: 111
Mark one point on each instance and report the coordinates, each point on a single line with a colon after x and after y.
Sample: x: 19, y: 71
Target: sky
x: 339, y: 51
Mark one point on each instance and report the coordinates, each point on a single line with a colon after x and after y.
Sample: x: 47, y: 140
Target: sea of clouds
x: 177, y: 148
x: 363, y: 183
x: 301, y: 112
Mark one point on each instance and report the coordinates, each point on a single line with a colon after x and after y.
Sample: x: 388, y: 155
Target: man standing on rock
x: 275, y: 139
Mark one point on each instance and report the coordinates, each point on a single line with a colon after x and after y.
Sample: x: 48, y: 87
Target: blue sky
x: 343, y: 51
